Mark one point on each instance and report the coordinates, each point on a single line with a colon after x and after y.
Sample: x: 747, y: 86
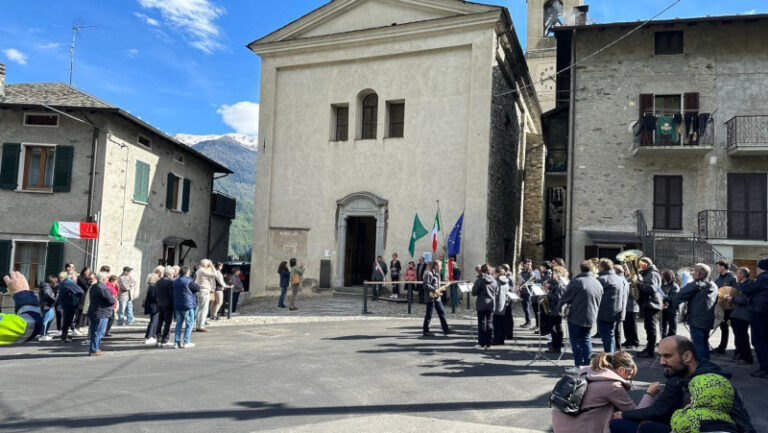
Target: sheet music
x: 465, y: 287
x: 537, y: 290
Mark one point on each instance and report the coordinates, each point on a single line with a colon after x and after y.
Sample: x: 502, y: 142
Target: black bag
x: 567, y: 394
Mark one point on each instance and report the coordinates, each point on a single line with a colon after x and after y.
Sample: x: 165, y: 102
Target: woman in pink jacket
x: 410, y: 275
x: 608, y: 378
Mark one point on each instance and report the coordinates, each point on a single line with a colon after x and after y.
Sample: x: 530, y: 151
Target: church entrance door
x: 360, y: 250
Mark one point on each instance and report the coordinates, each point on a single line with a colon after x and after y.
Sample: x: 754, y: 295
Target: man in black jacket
x: 421, y: 268
x: 724, y: 278
x: 678, y: 358
x: 583, y: 295
x: 99, y: 312
x: 47, y: 301
x: 651, y: 300
x: 164, y: 298
x: 701, y: 296
x: 611, y: 304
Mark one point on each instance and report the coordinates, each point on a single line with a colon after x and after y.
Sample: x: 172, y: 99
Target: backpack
x: 568, y: 393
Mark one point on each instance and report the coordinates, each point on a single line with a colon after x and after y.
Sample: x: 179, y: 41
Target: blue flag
x: 454, y: 239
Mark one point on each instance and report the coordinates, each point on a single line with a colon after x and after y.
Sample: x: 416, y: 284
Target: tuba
x: 629, y: 259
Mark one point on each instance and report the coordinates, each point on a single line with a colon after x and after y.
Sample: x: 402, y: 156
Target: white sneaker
x: 57, y: 333
x: 77, y: 332
x: 235, y: 314
x: 548, y: 337
x: 188, y: 345
x: 479, y: 347
x: 572, y: 370
x: 395, y: 296
x: 150, y: 341
x: 46, y: 338
x: 177, y: 346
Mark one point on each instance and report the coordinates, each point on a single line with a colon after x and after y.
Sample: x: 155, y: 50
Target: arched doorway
x: 360, y: 227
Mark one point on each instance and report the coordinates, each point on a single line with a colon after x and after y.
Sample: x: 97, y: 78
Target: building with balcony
x: 667, y: 125
x: 69, y: 156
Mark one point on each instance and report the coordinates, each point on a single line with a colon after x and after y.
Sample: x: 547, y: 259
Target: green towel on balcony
x: 665, y: 126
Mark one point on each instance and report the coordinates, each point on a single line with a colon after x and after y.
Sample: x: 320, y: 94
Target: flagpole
x: 440, y: 218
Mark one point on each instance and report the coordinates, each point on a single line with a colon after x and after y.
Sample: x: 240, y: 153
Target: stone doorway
x: 361, y: 226
x: 360, y: 251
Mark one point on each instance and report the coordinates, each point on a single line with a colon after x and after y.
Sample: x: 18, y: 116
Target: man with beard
x: 677, y: 356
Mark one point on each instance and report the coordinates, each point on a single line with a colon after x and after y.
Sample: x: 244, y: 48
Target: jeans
x: 484, y: 328
x: 741, y: 338
x: 187, y: 318
x: 165, y: 317
x: 668, y: 322
x: 125, y: 311
x: 47, y: 314
x: 581, y: 343
x: 626, y: 426
x: 525, y: 302
x: 630, y: 329
x: 96, y: 331
x: 152, y: 327
x: 437, y: 304
x: 700, y: 338
x: 605, y: 329
x: 283, y: 292
x: 759, y: 324
x: 235, y: 298
x: 203, y: 301
x: 649, y: 319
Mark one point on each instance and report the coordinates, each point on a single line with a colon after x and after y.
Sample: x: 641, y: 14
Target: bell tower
x: 540, y: 47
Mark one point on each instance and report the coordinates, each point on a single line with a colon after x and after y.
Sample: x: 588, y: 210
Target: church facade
x: 372, y: 111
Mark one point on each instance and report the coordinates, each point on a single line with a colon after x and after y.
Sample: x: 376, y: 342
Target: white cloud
x: 49, y: 46
x: 149, y: 20
x: 133, y: 52
x: 243, y: 117
x: 750, y: 12
x: 15, y: 55
x: 194, y: 18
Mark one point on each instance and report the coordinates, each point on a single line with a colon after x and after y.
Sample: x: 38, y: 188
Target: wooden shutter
x: 646, y: 104
x: 169, y: 192
x: 54, y: 258
x: 9, y: 168
x: 691, y: 102
x: 5, y: 260
x: 62, y: 168
x: 141, y: 182
x: 185, y: 196
x: 668, y: 202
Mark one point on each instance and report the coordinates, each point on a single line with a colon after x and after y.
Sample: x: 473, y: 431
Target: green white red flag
x: 61, y: 231
x: 435, y: 230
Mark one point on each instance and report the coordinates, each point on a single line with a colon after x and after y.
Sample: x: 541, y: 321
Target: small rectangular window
x: 668, y: 202
x: 178, y: 157
x: 668, y: 43
x: 41, y: 120
x: 38, y: 167
x: 396, y: 118
x: 144, y: 141
x: 341, y: 122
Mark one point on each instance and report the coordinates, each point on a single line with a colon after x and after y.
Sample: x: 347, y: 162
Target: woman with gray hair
x: 701, y: 296
x: 99, y: 311
x: 206, y: 277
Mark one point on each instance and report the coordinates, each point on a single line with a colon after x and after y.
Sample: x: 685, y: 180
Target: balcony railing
x: 644, y: 141
x: 730, y: 224
x: 223, y: 205
x: 747, y: 132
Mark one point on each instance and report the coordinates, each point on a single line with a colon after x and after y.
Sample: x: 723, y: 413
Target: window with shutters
x: 178, y: 193
x: 340, y: 130
x: 668, y: 202
x: 141, y: 183
x: 396, y: 116
x: 668, y: 43
x: 676, y: 109
x: 29, y: 259
x: 38, y: 167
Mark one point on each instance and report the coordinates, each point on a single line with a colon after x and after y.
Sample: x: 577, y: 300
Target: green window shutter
x: 185, y: 197
x: 62, y: 168
x: 9, y: 170
x: 5, y: 260
x: 169, y: 204
x: 141, y: 182
x: 54, y: 259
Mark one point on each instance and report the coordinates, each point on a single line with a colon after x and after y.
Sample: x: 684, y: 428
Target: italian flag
x: 61, y: 231
x: 435, y: 230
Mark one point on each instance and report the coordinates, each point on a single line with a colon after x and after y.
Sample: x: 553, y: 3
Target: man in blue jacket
x: 99, y: 311
x: 757, y: 292
x: 184, y: 302
x: 701, y: 296
x: 69, y: 299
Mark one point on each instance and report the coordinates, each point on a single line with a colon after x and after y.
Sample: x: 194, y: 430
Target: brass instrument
x: 439, y: 292
x: 629, y: 258
x: 544, y: 304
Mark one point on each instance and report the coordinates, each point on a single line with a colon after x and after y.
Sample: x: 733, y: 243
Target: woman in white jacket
x: 206, y: 277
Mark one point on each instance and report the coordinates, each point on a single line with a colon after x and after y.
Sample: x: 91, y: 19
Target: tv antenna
x: 72, y: 49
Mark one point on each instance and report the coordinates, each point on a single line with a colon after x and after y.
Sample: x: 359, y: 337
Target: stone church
x: 373, y: 110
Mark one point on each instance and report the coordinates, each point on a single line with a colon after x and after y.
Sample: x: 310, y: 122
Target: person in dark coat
x: 151, y: 309
x: 502, y: 299
x: 609, y: 312
x: 484, y: 289
x: 740, y: 321
x: 724, y: 278
x: 184, y: 304
x: 509, y: 320
x: 84, y: 282
x: 583, y: 295
x: 555, y: 291
x: 527, y: 274
x: 631, y: 310
x: 421, y: 269
x: 378, y: 273
x: 623, y: 297
x: 99, y: 312
x: 649, y: 288
x: 757, y: 293
x: 69, y: 298
x: 668, y: 309
x: 701, y: 296
x: 285, y: 274
x: 431, y: 284
x: 47, y: 302
x: 394, y: 272
x: 164, y: 301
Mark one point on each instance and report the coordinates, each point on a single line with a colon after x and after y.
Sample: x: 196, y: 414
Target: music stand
x: 540, y: 351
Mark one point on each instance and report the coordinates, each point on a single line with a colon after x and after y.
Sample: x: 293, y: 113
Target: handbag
x: 295, y: 279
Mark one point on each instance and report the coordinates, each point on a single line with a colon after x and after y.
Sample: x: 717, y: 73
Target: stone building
x: 667, y: 134
x: 372, y: 111
x: 90, y: 161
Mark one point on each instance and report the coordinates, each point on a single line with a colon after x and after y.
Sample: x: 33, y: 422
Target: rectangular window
x: 144, y: 141
x: 38, y: 167
x: 141, y: 182
x: 340, y: 122
x: 396, y: 118
x: 29, y: 259
x: 668, y: 43
x: 668, y: 202
x: 177, y: 193
x: 178, y: 157
x: 41, y: 120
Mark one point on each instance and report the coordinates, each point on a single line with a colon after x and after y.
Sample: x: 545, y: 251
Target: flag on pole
x: 435, y: 230
x: 61, y: 231
x: 417, y: 233
x: 454, y: 239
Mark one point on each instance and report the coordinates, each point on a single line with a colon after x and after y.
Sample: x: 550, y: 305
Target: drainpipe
x: 91, y: 190
x: 571, y: 148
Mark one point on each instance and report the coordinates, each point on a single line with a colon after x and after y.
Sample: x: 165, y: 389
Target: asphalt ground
x: 275, y: 371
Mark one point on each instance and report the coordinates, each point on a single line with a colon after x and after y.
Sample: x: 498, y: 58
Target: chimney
x: 580, y: 15
x: 2, y: 82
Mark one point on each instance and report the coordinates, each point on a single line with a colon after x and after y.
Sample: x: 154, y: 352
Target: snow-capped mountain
x: 247, y: 141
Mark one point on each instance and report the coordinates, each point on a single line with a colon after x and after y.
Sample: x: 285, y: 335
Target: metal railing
x: 731, y: 224
x: 650, y: 138
x: 746, y: 131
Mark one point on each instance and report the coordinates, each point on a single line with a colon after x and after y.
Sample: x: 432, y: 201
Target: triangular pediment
x: 342, y: 16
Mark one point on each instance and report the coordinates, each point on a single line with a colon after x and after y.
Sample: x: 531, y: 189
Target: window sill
x: 140, y: 202
x: 176, y: 210
x: 36, y: 191
x: 394, y: 138
x: 338, y: 141
x: 365, y: 140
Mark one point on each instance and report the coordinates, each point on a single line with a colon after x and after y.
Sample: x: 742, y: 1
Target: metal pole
x: 410, y: 298
x: 229, y: 308
x: 454, y: 294
x: 365, y: 298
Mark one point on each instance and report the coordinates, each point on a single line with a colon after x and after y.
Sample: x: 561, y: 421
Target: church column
x: 341, y: 250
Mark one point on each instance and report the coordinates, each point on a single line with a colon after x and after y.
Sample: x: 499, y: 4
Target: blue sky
x: 182, y: 65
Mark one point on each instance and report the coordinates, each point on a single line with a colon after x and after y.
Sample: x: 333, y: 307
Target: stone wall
x: 533, y: 206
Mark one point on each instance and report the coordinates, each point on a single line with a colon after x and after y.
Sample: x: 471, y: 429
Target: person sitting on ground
x: 678, y: 357
x: 608, y: 382
x: 27, y: 322
x: 711, y: 402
